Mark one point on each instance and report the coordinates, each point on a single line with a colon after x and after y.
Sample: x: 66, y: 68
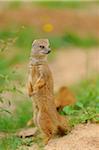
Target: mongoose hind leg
x: 33, y: 121
x: 46, y: 126
x: 35, y: 113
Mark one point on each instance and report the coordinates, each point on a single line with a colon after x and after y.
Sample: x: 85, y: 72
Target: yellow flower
x: 48, y: 27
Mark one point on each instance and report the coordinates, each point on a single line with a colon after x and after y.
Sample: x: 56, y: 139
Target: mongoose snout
x: 47, y: 51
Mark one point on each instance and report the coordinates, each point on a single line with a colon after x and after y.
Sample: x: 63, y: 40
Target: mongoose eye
x: 41, y: 46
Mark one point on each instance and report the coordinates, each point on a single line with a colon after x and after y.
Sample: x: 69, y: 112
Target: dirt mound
x: 82, y: 137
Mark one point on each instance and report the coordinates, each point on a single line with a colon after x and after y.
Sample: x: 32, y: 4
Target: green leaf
x: 80, y: 105
x: 68, y: 110
x: 97, y: 118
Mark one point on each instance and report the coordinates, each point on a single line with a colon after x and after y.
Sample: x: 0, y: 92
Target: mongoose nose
x: 49, y: 50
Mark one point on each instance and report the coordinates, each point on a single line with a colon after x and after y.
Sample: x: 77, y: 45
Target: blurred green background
x: 65, y: 24
x: 73, y: 31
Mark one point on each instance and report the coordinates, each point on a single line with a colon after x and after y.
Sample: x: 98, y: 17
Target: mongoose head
x: 40, y: 47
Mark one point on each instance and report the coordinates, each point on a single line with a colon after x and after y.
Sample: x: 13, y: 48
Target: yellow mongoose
x: 40, y: 87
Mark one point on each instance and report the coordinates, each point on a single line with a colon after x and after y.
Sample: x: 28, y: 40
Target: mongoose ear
x: 47, y: 40
x: 34, y: 42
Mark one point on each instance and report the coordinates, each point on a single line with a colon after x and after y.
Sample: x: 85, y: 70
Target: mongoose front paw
x: 33, y: 93
x: 35, y: 90
x: 30, y: 94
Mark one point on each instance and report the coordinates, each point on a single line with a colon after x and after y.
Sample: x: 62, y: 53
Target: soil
x: 82, y: 137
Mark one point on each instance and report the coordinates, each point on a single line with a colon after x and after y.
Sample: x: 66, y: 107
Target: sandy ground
x: 82, y: 137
